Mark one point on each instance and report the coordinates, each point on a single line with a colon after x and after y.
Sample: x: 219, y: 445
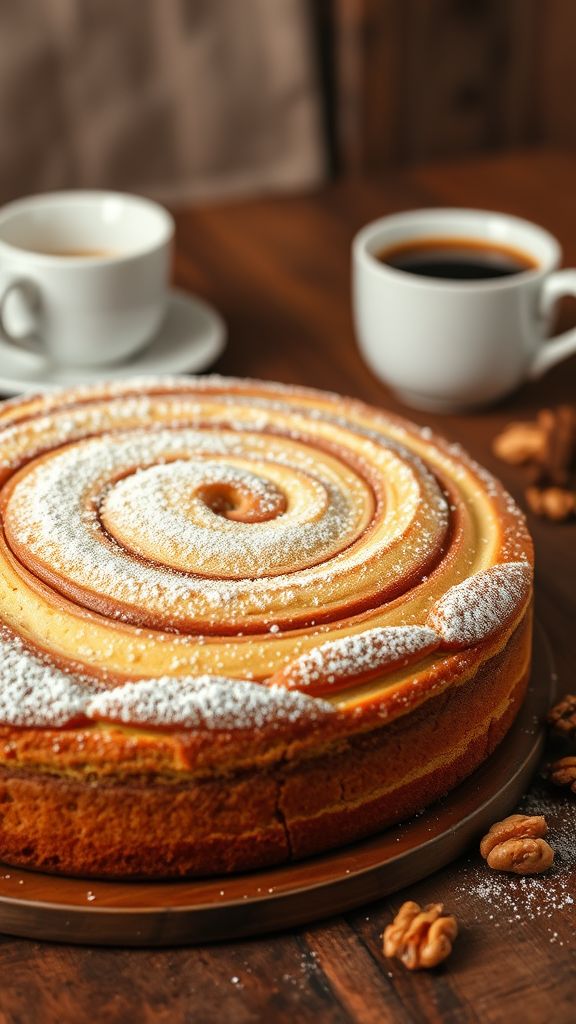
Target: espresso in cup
x: 458, y: 259
x: 453, y: 307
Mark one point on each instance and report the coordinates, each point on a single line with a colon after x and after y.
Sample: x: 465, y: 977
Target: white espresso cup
x: 447, y: 344
x: 83, y: 275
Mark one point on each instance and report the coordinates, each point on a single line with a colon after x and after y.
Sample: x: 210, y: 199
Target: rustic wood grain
x: 279, y: 271
x: 554, y: 73
x: 369, y: 46
x: 426, y: 79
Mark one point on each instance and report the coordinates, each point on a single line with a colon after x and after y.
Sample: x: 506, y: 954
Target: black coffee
x: 456, y: 258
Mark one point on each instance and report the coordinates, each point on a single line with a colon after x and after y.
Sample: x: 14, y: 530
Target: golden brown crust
x: 401, y: 635
x: 290, y: 810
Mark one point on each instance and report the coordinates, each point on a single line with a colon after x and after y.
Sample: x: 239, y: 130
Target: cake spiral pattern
x: 216, y: 587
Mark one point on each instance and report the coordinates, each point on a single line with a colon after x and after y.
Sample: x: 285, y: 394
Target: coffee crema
x: 87, y: 254
x: 465, y: 259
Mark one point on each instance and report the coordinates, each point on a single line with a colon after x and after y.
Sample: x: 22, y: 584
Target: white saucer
x: 192, y: 336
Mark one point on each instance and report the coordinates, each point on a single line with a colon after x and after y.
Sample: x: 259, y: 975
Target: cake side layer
x: 281, y: 726
x: 264, y: 817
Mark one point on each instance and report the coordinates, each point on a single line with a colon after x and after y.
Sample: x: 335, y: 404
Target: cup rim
x: 369, y: 231
x: 71, y: 197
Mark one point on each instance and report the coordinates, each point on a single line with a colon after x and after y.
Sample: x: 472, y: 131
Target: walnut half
x: 420, y: 938
x: 549, y: 444
x: 554, y: 503
x: 563, y: 772
x: 548, y: 447
x: 515, y: 844
x: 520, y: 443
x: 562, y: 717
x: 521, y: 856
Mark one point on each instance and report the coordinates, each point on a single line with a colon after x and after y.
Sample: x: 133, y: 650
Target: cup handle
x: 563, y: 282
x: 30, y: 296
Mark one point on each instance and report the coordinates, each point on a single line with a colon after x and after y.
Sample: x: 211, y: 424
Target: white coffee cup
x: 445, y: 344
x: 83, y: 275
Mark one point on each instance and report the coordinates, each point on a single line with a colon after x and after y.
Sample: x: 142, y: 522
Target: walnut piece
x: 521, y: 856
x: 563, y: 772
x: 555, y: 503
x: 420, y: 938
x: 515, y: 844
x: 558, y: 428
x: 519, y: 443
x: 515, y: 826
x: 562, y: 717
x: 547, y: 445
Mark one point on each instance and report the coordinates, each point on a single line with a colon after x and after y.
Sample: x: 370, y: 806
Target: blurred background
x: 196, y: 99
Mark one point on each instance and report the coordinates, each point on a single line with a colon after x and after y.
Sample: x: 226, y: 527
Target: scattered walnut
x: 521, y: 856
x: 563, y: 772
x: 515, y: 826
x: 515, y: 844
x: 548, y: 447
x: 519, y: 443
x: 555, y: 503
x: 420, y: 938
x: 558, y: 428
x: 562, y: 717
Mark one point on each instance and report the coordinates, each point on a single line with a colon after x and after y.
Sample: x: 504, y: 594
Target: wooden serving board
x: 42, y: 906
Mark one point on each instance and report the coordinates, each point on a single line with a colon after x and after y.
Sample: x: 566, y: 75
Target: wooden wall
x: 423, y: 79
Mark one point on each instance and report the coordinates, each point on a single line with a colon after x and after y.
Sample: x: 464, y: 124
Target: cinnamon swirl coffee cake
x: 242, y: 623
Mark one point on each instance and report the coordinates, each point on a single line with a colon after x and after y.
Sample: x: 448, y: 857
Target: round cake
x: 242, y: 623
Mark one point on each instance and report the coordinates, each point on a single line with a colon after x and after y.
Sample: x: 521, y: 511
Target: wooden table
x: 279, y: 271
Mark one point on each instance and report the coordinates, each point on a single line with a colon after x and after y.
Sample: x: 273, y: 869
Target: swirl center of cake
x: 224, y: 520
x: 205, y: 530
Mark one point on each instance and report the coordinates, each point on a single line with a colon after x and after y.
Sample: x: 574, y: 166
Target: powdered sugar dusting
x: 478, y: 607
x: 357, y: 656
x: 54, y: 513
x: 206, y: 702
x: 112, y: 508
x: 34, y: 693
x: 161, y: 512
x: 50, y: 513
